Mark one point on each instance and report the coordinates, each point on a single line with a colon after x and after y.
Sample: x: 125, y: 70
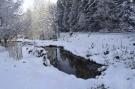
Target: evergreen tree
x: 96, y: 15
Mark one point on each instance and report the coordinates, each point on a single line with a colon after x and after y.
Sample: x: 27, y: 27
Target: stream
x: 72, y: 64
x: 61, y: 59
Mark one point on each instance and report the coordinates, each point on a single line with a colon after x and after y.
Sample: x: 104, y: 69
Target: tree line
x: 96, y: 15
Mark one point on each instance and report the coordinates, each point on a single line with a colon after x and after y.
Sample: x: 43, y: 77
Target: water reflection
x: 15, y: 49
x: 69, y: 63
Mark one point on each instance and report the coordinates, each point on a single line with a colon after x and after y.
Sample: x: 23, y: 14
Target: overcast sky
x: 28, y: 4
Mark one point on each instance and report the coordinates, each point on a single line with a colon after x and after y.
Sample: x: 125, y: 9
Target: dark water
x: 71, y: 64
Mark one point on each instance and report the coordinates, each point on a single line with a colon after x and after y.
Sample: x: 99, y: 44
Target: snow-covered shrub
x: 39, y: 52
x: 101, y: 86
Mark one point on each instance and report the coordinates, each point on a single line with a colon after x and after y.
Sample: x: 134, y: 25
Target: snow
x: 119, y: 77
x: 94, y: 44
x: 30, y: 73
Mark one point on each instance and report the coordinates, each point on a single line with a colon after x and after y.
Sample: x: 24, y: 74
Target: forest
x: 96, y: 15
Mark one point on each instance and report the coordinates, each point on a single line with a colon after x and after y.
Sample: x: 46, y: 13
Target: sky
x: 28, y: 4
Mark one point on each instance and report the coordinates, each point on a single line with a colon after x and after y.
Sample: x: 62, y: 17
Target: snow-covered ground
x: 30, y: 73
x: 115, y: 50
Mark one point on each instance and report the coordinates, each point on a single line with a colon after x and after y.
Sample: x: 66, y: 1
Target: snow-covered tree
x: 10, y: 23
x: 43, y: 19
x: 96, y: 15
